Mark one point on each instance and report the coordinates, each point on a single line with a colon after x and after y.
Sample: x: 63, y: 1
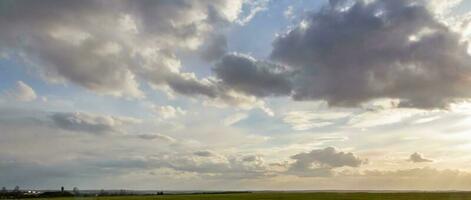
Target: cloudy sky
x: 217, y: 95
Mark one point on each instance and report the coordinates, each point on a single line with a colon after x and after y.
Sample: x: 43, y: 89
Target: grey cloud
x: 231, y: 169
x: 351, y: 52
x: 418, y: 158
x: 161, y: 137
x: 250, y: 158
x: 110, y: 47
x: 15, y: 120
x: 245, y: 74
x: 106, y: 74
x: 204, y: 153
x: 216, y: 92
x: 320, y: 162
x: 191, y: 86
x: 64, y: 42
x: 215, y: 48
x: 84, y: 122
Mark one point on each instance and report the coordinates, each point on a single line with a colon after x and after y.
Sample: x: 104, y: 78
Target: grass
x: 296, y: 196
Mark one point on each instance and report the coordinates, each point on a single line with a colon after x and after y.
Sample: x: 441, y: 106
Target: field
x: 294, y: 196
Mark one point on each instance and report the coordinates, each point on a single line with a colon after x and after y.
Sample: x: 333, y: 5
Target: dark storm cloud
x: 320, y: 162
x: 253, y: 77
x: 351, y: 52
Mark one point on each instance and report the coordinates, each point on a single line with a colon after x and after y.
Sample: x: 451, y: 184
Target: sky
x: 235, y: 95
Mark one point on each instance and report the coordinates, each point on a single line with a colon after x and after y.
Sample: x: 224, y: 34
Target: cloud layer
x: 348, y: 53
x: 215, y: 65
x: 132, y: 160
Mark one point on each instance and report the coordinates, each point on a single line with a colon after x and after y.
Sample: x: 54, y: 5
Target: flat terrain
x: 295, y: 196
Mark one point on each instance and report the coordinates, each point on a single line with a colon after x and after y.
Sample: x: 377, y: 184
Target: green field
x: 293, y: 196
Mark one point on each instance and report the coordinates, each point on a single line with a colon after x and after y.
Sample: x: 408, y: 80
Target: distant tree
x: 51, y: 194
x: 3, y: 193
x: 16, y: 192
x: 76, y: 191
